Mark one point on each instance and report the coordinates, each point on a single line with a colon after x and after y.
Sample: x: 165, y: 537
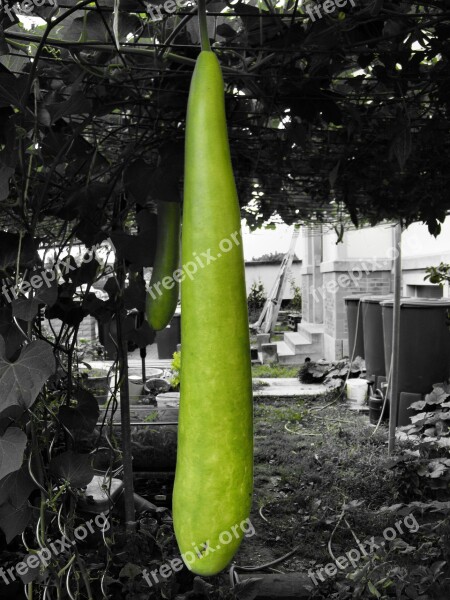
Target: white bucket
x: 135, y: 388
x: 357, y: 390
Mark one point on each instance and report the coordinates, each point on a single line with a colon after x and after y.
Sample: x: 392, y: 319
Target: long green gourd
x: 162, y: 297
x: 214, y: 473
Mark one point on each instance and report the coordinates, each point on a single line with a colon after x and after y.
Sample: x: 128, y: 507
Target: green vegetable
x: 162, y: 297
x: 214, y: 474
x: 175, y: 368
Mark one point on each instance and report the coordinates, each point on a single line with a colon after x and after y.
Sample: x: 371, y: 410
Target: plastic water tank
x: 424, y: 356
x: 372, y: 321
x: 167, y: 339
x: 354, y: 325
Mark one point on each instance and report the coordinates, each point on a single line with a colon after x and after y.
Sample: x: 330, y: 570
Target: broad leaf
x: 135, y: 179
x: 27, y: 308
x: 137, y: 250
x: 16, y: 487
x: 11, y: 334
x: 22, y: 380
x: 134, y: 295
x: 13, y: 520
x: 438, y: 395
x: 76, y: 104
x: 84, y: 416
x: 5, y: 174
x: 85, y: 273
x: 12, y: 447
x: 248, y: 589
x: 72, y: 467
x: 142, y: 336
x: 9, y: 248
x: 12, y: 89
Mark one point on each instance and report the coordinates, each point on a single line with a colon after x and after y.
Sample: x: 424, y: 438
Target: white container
x: 135, y: 388
x: 153, y: 373
x: 357, y: 390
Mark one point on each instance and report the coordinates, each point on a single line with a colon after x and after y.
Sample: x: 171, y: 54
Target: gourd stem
x: 203, y: 25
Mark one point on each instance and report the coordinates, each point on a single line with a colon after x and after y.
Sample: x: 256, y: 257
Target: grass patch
x: 277, y: 371
x: 277, y: 337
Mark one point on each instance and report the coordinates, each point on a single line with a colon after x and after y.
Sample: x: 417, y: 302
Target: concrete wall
x: 363, y: 263
x: 419, y: 250
x: 312, y: 279
x: 267, y: 272
x: 88, y: 328
x: 341, y: 279
x: 364, y: 243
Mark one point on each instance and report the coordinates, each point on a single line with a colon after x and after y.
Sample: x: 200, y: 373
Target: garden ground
x: 324, y: 483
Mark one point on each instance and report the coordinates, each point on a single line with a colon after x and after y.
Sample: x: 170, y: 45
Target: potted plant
x: 97, y: 381
x: 295, y: 306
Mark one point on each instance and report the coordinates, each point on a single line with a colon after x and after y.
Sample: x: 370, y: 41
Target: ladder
x: 269, y: 314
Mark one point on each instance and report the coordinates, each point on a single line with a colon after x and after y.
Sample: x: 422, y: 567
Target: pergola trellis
x: 340, y: 119
x: 345, y: 117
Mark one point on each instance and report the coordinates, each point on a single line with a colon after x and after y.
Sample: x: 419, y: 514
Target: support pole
x: 127, y: 457
x: 394, y: 394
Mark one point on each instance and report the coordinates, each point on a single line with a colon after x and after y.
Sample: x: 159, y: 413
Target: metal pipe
x: 156, y: 424
x: 394, y: 395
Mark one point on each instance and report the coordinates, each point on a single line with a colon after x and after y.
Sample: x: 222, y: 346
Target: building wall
x: 87, y: 329
x: 337, y: 284
x: 267, y: 272
x: 364, y: 263
x: 312, y: 279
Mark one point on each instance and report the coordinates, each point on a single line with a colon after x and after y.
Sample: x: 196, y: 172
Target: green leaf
x: 373, y: 590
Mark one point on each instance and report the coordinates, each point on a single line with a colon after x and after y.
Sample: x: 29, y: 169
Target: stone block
x: 262, y: 338
x: 269, y: 354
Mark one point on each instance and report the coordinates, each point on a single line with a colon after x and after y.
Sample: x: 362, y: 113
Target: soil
x: 323, y: 483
